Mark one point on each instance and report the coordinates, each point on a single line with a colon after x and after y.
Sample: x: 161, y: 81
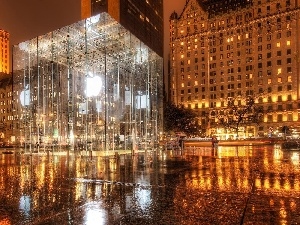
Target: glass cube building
x: 91, y: 85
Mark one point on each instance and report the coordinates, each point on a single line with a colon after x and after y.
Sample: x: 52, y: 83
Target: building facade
x: 143, y: 18
x: 4, y: 52
x: 91, y: 85
x: 6, y: 119
x: 221, y: 50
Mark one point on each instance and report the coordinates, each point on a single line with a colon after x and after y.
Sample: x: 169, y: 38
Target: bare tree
x: 180, y: 119
x: 240, y: 112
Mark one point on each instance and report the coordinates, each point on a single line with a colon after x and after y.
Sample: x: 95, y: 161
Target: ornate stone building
x: 4, y: 52
x: 221, y: 50
x: 6, y: 119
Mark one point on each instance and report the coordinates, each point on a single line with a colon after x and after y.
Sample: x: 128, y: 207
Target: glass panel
x: 91, y: 85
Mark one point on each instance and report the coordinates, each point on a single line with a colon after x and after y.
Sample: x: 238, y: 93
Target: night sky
x: 26, y: 19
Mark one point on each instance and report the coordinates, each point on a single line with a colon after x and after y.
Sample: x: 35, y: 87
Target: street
x: 227, y: 185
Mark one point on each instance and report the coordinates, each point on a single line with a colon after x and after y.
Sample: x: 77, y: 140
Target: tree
x: 180, y: 119
x: 240, y: 111
x: 285, y: 130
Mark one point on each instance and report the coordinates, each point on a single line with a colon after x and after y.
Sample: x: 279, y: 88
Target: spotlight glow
x: 93, y: 86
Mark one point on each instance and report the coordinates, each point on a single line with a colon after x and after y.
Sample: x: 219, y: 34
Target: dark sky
x: 26, y: 19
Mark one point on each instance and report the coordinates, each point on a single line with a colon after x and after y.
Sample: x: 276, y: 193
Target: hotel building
x: 4, y: 51
x: 143, y: 18
x: 6, y: 119
x: 226, y: 49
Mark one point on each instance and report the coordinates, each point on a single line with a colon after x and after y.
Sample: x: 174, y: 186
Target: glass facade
x: 91, y: 85
x: 143, y: 18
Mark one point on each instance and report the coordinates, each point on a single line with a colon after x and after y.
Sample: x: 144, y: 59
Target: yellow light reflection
x: 5, y: 221
x: 283, y: 213
x: 293, y: 205
x: 278, y: 154
x: 295, y: 158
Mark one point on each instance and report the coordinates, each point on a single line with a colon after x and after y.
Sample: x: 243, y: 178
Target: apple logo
x: 93, y: 86
x: 25, y: 97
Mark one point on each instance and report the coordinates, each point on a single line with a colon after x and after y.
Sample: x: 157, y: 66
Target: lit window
x: 182, y: 84
x: 289, y: 78
x: 196, y: 39
x: 189, y: 61
x: 196, y: 82
x: 279, y: 71
x: 269, y: 81
x: 279, y: 80
x: 182, y: 56
x: 288, y: 43
x: 182, y: 43
x: 278, y: 44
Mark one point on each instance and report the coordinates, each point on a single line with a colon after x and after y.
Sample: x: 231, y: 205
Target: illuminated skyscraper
x: 4, y: 51
x: 143, y: 18
x: 221, y: 50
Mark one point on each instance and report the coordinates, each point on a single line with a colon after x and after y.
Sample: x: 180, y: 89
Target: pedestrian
x: 214, y: 142
x: 180, y: 143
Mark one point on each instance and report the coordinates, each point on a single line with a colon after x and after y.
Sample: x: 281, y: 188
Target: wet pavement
x: 229, y: 185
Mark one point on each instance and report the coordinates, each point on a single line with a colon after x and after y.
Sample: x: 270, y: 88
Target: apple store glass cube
x: 90, y: 85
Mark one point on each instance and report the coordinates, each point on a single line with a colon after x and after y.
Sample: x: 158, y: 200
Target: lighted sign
x: 142, y: 101
x: 25, y: 97
x: 82, y: 108
x: 127, y: 96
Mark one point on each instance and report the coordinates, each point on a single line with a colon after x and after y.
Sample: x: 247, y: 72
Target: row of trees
x: 180, y: 119
x: 238, y: 112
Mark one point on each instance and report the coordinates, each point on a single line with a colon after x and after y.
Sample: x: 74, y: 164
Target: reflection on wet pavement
x: 230, y: 185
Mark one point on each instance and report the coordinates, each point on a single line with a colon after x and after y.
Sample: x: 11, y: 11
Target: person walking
x: 214, y: 142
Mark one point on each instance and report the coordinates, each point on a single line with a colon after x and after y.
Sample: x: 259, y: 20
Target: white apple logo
x: 93, y: 86
x: 25, y: 97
